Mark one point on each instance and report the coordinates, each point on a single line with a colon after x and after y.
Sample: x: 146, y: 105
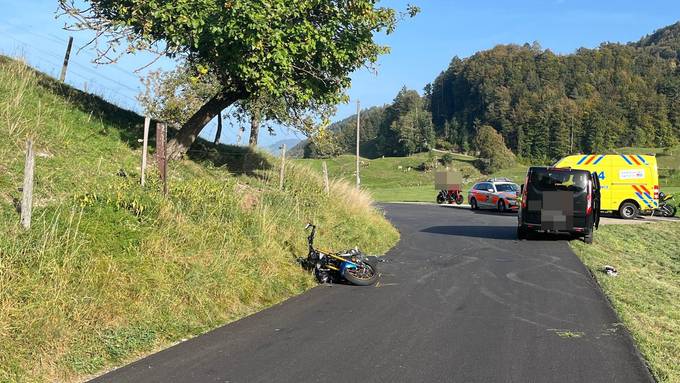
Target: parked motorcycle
x: 665, y: 209
x: 330, y: 267
x: 450, y: 196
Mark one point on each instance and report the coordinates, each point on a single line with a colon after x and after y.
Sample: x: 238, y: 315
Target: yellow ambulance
x: 629, y: 182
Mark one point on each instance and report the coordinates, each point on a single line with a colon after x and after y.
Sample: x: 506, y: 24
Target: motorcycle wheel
x: 440, y: 199
x: 459, y: 199
x: 669, y: 211
x: 364, y: 276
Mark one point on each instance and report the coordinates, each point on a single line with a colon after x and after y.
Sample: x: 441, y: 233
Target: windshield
x: 507, y: 188
x: 553, y: 180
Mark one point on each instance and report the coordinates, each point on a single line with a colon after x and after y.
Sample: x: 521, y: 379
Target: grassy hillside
x: 393, y: 178
x: 389, y: 179
x: 111, y: 270
x: 646, y: 291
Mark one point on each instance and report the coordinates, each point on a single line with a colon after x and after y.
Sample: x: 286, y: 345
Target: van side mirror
x: 521, y: 189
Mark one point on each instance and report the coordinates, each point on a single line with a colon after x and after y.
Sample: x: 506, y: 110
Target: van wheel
x: 473, y: 204
x: 521, y: 232
x: 588, y: 238
x: 628, y: 210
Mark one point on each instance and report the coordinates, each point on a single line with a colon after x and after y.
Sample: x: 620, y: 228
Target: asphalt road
x: 460, y: 300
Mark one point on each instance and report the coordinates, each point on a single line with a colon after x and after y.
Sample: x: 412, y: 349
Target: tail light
x: 656, y: 192
x: 589, y: 206
x: 524, y: 192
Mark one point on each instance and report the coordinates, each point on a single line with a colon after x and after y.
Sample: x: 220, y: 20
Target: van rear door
x: 597, y: 200
x: 557, y: 198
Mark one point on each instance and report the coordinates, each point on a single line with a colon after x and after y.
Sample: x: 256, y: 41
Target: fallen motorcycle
x: 332, y: 267
x: 665, y: 209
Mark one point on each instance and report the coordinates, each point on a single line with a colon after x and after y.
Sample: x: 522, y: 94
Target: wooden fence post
x: 62, y: 76
x: 145, y: 145
x: 283, y: 165
x: 218, y: 134
x: 325, y: 177
x: 27, y: 191
x: 162, y: 155
x: 240, y: 135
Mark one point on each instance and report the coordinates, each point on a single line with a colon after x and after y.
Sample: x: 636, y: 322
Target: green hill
x: 545, y: 105
x: 110, y: 270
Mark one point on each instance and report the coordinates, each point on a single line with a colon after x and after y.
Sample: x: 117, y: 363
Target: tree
x: 492, y: 150
x: 407, y: 127
x: 301, y: 53
x: 175, y: 95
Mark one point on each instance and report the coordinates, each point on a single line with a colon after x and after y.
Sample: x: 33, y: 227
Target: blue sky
x: 421, y: 47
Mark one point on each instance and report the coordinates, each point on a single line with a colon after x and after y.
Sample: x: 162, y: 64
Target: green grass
x: 404, y: 194
x: 109, y: 270
x: 646, y: 291
x: 394, y: 178
x: 389, y: 179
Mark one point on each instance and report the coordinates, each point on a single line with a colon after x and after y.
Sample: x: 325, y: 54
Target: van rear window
x: 554, y: 180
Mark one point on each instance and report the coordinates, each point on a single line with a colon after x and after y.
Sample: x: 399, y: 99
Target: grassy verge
x: 109, y: 270
x: 645, y: 293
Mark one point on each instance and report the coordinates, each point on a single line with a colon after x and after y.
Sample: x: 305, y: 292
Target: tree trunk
x: 254, y: 128
x: 188, y: 133
x: 218, y: 134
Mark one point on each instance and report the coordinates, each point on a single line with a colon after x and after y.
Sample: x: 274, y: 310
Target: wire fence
x: 45, y: 52
x: 112, y: 82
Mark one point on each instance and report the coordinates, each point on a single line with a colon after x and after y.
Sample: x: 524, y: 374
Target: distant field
x: 392, y: 179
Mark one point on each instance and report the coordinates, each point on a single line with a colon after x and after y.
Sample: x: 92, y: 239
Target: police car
x: 496, y: 193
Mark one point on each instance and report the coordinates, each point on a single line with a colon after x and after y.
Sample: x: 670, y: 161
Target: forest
x: 543, y: 104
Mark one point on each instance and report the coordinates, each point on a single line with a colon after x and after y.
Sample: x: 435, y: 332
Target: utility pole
x: 358, y: 129
x: 62, y: 77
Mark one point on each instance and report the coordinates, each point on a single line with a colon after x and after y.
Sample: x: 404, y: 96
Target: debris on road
x: 610, y: 270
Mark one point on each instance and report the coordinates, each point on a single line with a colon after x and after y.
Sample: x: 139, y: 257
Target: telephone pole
x: 358, y: 129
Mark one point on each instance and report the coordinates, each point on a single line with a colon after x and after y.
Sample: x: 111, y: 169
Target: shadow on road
x: 495, y: 232
x: 492, y: 232
x: 481, y: 211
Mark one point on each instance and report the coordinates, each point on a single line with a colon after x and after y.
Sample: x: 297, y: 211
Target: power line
x: 59, y: 41
x: 83, y: 67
